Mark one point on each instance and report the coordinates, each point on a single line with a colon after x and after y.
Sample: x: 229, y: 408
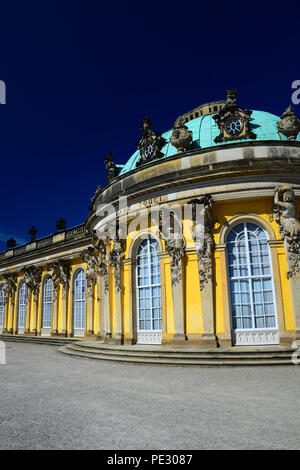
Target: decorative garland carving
x: 203, y: 237
x: 285, y: 214
x: 181, y: 136
x: 5, y: 287
x: 90, y: 257
x: 100, y: 246
x: 32, y: 277
x: 53, y: 268
x: 289, y: 124
x: 174, y: 243
x: 115, y: 260
x: 60, y: 274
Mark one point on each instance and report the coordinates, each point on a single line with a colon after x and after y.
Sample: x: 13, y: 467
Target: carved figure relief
x: 289, y: 124
x: 111, y: 168
x: 101, y: 246
x: 90, y: 257
x: 203, y: 237
x: 285, y: 214
x: 233, y: 121
x: 32, y: 277
x: 60, y: 273
x: 150, y: 143
x: 181, y: 136
x: 174, y: 243
x: 116, y: 257
x: 5, y: 287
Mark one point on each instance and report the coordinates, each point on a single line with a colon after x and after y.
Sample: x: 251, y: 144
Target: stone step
x: 50, y: 340
x: 170, y: 361
x: 181, y: 355
x: 154, y: 349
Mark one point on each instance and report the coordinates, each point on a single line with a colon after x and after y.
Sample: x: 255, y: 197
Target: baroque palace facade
x: 236, y: 283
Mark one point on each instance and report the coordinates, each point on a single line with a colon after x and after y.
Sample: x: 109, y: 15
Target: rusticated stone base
x: 206, y: 340
x: 224, y: 341
x: 90, y: 335
x: 179, y: 340
x: 62, y: 334
x: 117, y: 338
x: 296, y: 339
x: 287, y: 339
x: 130, y: 341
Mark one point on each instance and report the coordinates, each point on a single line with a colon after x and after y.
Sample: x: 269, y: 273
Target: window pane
x: 148, y: 286
x: 251, y: 294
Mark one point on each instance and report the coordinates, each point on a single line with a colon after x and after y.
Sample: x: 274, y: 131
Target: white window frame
x: 152, y: 336
x: 254, y: 335
x: 79, y: 331
x: 2, y: 307
x: 48, y: 281
x: 22, y: 293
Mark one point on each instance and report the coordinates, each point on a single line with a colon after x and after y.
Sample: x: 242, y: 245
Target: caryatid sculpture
x: 285, y: 213
x: 203, y: 237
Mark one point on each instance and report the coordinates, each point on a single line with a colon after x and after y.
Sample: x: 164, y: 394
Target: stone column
x: 54, y: 270
x: 55, y: 305
x: 224, y: 338
x: 285, y: 214
x: 32, y: 277
x: 285, y: 337
x: 178, y: 299
x: 64, y: 276
x: 100, y: 333
x: 295, y: 291
x: 64, y: 291
x: 204, y: 243
x: 171, y: 232
x: 5, y: 298
x: 35, y: 310
x: 90, y: 257
x: 105, y: 325
x: 27, y: 311
x: 116, y: 257
x: 130, y: 308
x: 12, y: 283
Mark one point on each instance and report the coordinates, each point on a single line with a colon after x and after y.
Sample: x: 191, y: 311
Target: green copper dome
x: 205, y: 130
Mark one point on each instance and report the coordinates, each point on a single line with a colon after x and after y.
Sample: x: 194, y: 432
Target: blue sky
x: 80, y: 76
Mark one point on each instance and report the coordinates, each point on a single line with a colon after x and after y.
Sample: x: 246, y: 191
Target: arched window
x: 22, y: 306
x: 79, y: 303
x: 2, y: 306
x: 149, y: 314
x: 251, y: 281
x: 47, y: 303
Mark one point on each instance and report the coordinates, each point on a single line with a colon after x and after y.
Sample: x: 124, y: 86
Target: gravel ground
x: 52, y: 401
